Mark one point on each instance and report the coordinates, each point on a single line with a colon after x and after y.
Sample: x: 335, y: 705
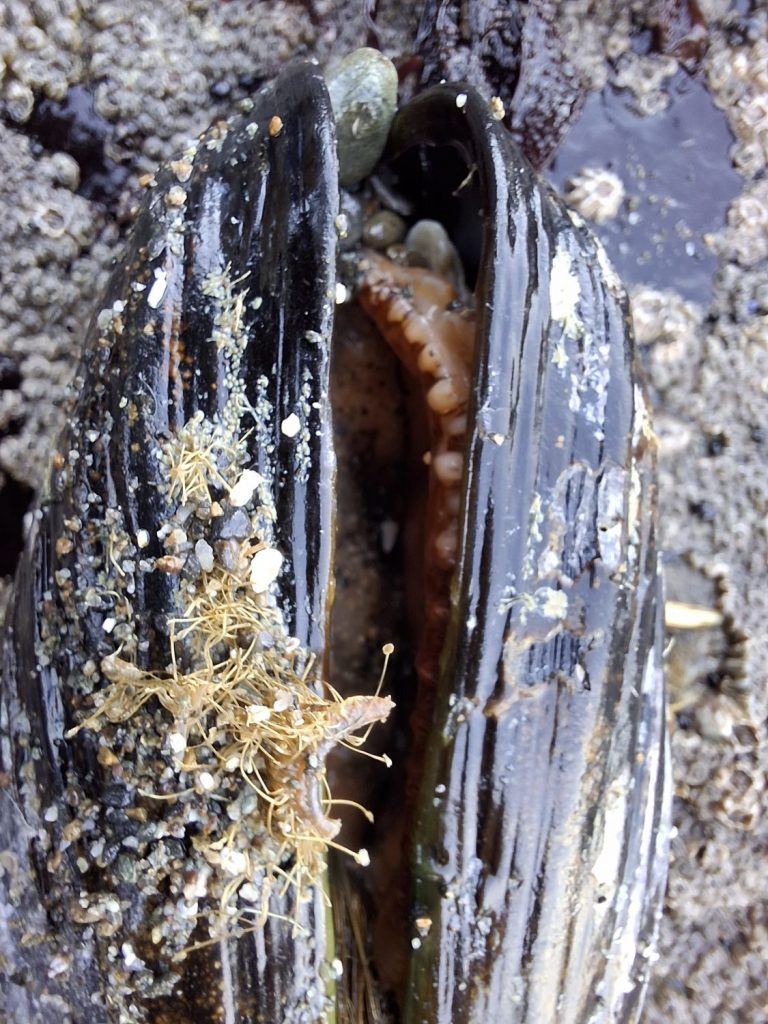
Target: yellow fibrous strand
x: 196, y: 460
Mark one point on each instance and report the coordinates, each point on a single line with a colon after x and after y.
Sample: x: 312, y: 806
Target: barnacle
x: 595, y: 193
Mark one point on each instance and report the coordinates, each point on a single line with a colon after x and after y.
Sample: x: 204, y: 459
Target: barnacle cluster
x: 667, y: 323
x: 662, y: 316
x: 147, y: 60
x: 40, y: 47
x: 737, y: 76
x: 669, y: 327
x: 745, y: 238
x: 646, y: 77
x: 594, y: 30
x: 51, y: 248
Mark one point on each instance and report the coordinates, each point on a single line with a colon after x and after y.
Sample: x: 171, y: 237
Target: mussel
x: 175, y: 740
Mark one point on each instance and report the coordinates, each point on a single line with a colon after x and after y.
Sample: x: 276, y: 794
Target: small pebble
x: 176, y: 196
x: 235, y: 525
x: 351, y: 209
x: 58, y: 965
x: 204, y: 553
x: 363, y: 91
x: 176, y: 538
x: 228, y: 553
x: 170, y: 564
x: 182, y: 169
x: 383, y: 229
x: 497, y: 108
x: 63, y: 546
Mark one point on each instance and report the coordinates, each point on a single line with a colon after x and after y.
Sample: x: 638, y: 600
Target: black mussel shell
x: 539, y: 855
x: 539, y: 840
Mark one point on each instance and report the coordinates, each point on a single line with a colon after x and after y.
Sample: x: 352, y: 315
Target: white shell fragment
x: 132, y: 961
x: 283, y: 701
x: 679, y: 615
x: 564, y: 292
x: 265, y: 566
x: 244, y: 489
x: 291, y: 425
x: 258, y: 713
x: 177, y: 743
x: 157, y: 291
x: 234, y: 862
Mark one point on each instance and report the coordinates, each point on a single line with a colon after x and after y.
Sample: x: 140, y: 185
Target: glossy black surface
x: 541, y: 721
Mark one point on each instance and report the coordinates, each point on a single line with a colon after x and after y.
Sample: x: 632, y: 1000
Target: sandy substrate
x: 684, y: 214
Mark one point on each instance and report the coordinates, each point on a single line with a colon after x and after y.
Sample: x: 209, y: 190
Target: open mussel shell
x: 538, y: 845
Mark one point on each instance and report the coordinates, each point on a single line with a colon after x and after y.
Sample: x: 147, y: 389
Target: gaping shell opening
x: 404, y: 413
x: 400, y: 380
